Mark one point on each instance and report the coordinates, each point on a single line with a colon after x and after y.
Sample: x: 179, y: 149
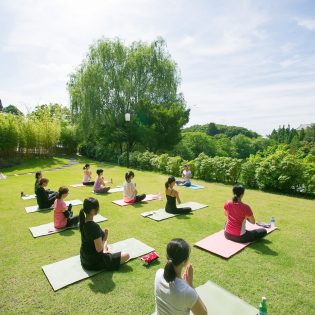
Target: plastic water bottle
x: 272, y: 222
x: 263, y: 306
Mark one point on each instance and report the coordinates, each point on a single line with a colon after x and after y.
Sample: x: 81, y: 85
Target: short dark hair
x: 99, y: 171
x: 43, y: 181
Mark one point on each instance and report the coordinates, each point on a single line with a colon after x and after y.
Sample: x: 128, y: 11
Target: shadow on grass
x: 261, y: 247
x: 183, y: 216
x: 68, y: 232
x: 103, y: 282
x: 37, y: 163
x: 153, y: 263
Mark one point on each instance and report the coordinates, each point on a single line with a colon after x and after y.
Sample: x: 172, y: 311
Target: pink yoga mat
x: 219, y: 245
x: 121, y: 202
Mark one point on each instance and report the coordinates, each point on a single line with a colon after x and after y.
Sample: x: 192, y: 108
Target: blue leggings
x: 183, y: 183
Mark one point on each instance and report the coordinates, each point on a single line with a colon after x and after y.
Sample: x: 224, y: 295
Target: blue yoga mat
x: 194, y: 187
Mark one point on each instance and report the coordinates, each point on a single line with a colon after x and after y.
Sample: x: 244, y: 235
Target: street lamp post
x: 127, y: 120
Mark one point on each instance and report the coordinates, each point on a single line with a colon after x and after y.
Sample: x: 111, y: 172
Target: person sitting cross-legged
x: 186, y: 174
x: 94, y: 254
x: 237, y: 214
x: 63, y: 216
x: 100, y: 185
x: 171, y: 196
x: 130, y: 191
x: 45, y: 198
x: 173, y: 286
x: 87, y: 175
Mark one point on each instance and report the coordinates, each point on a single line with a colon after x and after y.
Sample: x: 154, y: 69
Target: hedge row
x: 280, y: 171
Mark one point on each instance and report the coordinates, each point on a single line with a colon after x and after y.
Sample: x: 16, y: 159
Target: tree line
x: 143, y: 80
x: 40, y: 132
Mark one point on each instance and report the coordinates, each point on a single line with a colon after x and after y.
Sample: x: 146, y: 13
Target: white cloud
x: 237, y: 66
x: 306, y: 23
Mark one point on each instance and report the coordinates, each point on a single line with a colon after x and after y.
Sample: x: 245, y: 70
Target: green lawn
x: 281, y: 267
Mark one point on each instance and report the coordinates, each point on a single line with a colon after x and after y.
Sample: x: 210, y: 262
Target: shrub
x: 219, y: 169
x: 248, y: 174
x: 174, y: 165
x: 159, y: 162
x: 280, y: 171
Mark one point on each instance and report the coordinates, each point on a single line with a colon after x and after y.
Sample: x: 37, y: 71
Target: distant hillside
x: 213, y: 129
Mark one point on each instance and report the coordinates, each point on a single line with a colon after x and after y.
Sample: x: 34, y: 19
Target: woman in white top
x: 130, y: 191
x: 173, y: 287
x: 186, y: 175
x: 87, y: 175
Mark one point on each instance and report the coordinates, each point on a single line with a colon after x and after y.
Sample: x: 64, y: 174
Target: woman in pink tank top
x: 100, y: 185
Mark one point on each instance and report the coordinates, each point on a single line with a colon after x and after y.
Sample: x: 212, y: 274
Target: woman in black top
x: 94, y: 253
x: 38, y: 177
x: 171, y: 196
x: 45, y: 198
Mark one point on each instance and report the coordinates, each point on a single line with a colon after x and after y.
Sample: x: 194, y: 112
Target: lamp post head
x: 127, y: 117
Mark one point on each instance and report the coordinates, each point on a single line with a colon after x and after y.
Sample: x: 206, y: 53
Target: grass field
x: 281, y: 267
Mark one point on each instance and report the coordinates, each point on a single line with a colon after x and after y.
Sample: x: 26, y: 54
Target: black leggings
x: 247, y: 237
x: 73, y: 221
x: 139, y: 198
x: 179, y: 210
x: 88, y: 183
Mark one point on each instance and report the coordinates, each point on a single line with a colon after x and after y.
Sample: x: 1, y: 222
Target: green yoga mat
x: 219, y: 301
x: 65, y: 272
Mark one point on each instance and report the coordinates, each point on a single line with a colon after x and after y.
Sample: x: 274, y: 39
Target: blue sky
x: 245, y: 63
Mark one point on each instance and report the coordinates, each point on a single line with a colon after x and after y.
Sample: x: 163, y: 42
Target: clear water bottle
x: 263, y: 306
x: 272, y: 222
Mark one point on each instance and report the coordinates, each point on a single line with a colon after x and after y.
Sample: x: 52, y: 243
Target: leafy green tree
x: 12, y: 109
x: 140, y: 79
x: 243, y: 145
x: 310, y: 133
x: 212, y: 129
x: 9, y: 134
x: 224, y: 146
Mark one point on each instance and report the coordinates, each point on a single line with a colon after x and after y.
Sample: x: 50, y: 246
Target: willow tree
x: 140, y: 79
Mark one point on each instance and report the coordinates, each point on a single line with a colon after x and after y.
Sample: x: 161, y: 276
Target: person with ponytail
x: 87, y: 175
x: 94, y: 253
x: 45, y: 198
x: 130, y: 191
x: 173, y: 286
x: 237, y: 214
x: 63, y: 216
x: 171, y: 196
x: 38, y: 177
x: 99, y: 184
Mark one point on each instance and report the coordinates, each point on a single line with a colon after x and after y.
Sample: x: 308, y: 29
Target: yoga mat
x: 194, y: 187
x: 220, y: 301
x: 219, y: 245
x: 77, y: 185
x: 47, y: 229
x: 121, y: 202
x: 112, y: 190
x: 161, y: 214
x: 31, y: 209
x: 65, y: 272
x: 29, y: 197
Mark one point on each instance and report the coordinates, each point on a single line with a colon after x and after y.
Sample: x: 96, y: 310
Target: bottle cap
x: 264, y: 298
